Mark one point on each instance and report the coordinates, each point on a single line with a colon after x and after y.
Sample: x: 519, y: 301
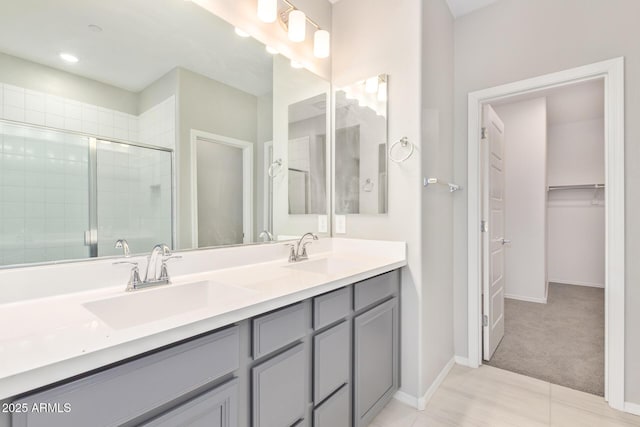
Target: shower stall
x: 66, y: 195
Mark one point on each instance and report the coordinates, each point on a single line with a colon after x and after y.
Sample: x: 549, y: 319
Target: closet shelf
x: 575, y: 187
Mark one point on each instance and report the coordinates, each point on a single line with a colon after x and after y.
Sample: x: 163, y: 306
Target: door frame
x: 247, y: 180
x: 612, y: 71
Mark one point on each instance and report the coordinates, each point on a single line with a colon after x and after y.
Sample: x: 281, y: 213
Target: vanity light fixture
x: 297, y: 26
x: 69, y: 57
x: 241, y: 32
x: 294, y: 21
x: 268, y: 10
x: 321, y: 43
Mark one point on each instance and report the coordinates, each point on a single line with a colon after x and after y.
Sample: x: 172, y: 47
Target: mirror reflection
x: 306, y: 153
x: 154, y: 123
x: 361, y: 147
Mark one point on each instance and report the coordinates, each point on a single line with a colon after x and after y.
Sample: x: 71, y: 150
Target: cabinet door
x: 376, y: 360
x: 279, y: 388
x: 331, y: 360
x: 215, y: 408
x: 334, y: 412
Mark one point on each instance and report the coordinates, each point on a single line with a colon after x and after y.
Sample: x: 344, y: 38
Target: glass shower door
x: 134, y: 197
x: 44, y: 195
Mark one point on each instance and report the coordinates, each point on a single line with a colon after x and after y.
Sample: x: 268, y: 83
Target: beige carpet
x: 561, y: 342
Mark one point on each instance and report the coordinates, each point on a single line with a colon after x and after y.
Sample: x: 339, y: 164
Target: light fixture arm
x: 291, y: 7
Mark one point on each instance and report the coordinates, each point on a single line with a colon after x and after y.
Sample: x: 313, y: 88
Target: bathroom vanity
x: 313, y: 343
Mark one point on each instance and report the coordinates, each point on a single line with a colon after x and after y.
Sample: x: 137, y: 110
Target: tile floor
x: 494, y: 397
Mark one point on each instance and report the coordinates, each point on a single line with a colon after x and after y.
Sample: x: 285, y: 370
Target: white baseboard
x: 527, y: 299
x: 406, y: 398
x: 421, y: 402
x: 463, y: 361
x: 632, y: 408
x: 573, y: 282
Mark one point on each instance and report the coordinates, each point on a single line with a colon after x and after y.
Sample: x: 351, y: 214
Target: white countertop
x: 48, y: 339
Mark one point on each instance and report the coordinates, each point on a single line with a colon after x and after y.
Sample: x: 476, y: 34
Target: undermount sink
x: 139, y: 307
x: 326, y: 266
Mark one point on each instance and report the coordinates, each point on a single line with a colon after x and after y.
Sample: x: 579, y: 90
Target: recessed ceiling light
x: 241, y: 33
x: 95, y: 28
x: 69, y: 57
x: 272, y: 50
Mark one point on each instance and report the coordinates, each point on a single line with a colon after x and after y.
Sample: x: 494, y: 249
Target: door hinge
x: 485, y: 320
x: 483, y: 226
x: 483, y: 133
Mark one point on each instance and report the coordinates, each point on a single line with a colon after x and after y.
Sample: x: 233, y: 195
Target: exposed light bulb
x: 371, y: 85
x: 321, y: 43
x: 297, y: 25
x: 272, y: 50
x: 267, y: 10
x: 241, y: 32
x: 296, y: 64
x: 69, y: 57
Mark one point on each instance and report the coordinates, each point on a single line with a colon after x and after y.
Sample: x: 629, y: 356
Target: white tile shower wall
x: 44, y: 177
x: 157, y: 124
x: 134, y: 197
x: 39, y: 108
x: 43, y: 195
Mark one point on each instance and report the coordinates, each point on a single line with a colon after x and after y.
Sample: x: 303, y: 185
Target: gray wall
x: 30, y: 75
x: 437, y: 203
x: 361, y: 50
x: 207, y: 105
x: 158, y: 91
x: 517, y: 39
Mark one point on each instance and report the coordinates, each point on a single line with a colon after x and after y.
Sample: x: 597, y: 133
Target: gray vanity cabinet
x: 328, y: 361
x: 375, y: 360
x: 215, y: 408
x: 279, y: 389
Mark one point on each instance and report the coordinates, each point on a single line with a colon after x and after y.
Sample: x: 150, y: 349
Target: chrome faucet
x: 266, y: 236
x: 298, y: 251
x: 160, y: 251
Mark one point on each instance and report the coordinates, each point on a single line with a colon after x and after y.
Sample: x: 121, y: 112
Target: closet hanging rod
x: 576, y: 187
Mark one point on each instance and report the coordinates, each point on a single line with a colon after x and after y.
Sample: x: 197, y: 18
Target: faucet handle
x: 134, y: 276
x: 164, y: 273
x: 293, y: 257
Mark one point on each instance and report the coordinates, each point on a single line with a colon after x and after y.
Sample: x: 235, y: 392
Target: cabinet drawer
x: 278, y: 387
x: 376, y: 289
x: 331, y: 307
x: 117, y: 395
x: 331, y: 360
x: 215, y: 408
x: 335, y: 411
x: 275, y: 330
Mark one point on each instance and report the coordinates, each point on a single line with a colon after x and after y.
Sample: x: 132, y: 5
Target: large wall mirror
x: 154, y: 122
x: 361, y: 147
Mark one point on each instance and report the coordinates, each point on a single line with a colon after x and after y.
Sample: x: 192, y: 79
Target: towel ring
x: 404, y: 142
x: 272, y: 171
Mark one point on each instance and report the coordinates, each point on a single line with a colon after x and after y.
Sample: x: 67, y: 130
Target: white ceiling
x: 141, y: 41
x: 566, y: 104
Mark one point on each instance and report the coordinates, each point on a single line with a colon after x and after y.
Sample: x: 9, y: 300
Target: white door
x: 493, y: 237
